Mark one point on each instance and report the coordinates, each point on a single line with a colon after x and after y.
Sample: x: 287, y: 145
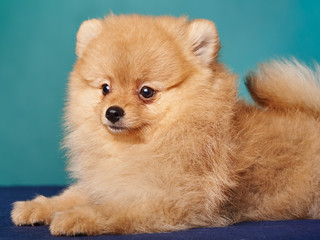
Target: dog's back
x: 279, y: 144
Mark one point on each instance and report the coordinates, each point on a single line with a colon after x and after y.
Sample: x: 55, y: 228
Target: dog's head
x: 133, y: 71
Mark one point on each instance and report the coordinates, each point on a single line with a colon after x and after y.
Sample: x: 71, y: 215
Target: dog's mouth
x: 116, y: 129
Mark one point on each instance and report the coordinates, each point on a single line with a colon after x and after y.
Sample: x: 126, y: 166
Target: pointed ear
x: 87, y: 32
x: 204, y: 39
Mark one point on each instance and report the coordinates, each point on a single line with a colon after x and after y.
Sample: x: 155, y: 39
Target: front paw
x: 37, y: 211
x: 77, y: 221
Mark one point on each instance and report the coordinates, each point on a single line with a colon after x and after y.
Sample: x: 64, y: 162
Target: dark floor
x: 291, y: 230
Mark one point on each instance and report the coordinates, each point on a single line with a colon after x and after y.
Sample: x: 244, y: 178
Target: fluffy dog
x: 159, y: 141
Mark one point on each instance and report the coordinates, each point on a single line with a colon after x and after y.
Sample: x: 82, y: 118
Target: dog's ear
x: 204, y: 39
x: 88, y: 31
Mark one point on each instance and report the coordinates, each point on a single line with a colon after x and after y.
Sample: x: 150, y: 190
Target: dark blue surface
x: 291, y: 230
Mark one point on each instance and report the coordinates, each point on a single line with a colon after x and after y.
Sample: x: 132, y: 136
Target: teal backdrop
x: 37, y: 42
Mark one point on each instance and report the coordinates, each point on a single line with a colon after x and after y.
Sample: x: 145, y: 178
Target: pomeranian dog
x: 159, y: 141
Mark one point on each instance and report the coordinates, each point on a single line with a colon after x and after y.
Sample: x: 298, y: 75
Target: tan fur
x: 299, y: 86
x: 194, y: 155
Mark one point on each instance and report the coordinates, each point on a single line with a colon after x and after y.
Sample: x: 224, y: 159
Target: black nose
x: 114, y: 113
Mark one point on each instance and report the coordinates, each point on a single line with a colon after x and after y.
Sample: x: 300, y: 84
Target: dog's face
x: 131, y: 70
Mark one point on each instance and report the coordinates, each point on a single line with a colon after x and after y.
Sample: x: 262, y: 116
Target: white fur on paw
x: 29, y: 213
x: 72, y: 223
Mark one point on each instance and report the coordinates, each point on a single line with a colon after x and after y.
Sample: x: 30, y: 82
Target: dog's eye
x: 105, y: 89
x: 147, y: 92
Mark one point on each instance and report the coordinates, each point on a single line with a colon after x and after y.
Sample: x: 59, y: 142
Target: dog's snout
x: 114, y: 114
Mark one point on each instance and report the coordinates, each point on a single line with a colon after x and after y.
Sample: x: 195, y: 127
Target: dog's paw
x: 35, y: 212
x: 77, y: 221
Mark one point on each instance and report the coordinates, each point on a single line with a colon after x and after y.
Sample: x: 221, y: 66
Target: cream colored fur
x: 193, y: 154
x: 299, y: 86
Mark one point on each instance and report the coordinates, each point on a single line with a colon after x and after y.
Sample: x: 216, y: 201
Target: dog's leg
x: 149, y: 216
x: 41, y: 209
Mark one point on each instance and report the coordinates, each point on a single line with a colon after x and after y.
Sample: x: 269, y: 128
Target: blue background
x: 37, y: 42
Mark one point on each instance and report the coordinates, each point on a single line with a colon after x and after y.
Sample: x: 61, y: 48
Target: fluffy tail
x: 286, y: 84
